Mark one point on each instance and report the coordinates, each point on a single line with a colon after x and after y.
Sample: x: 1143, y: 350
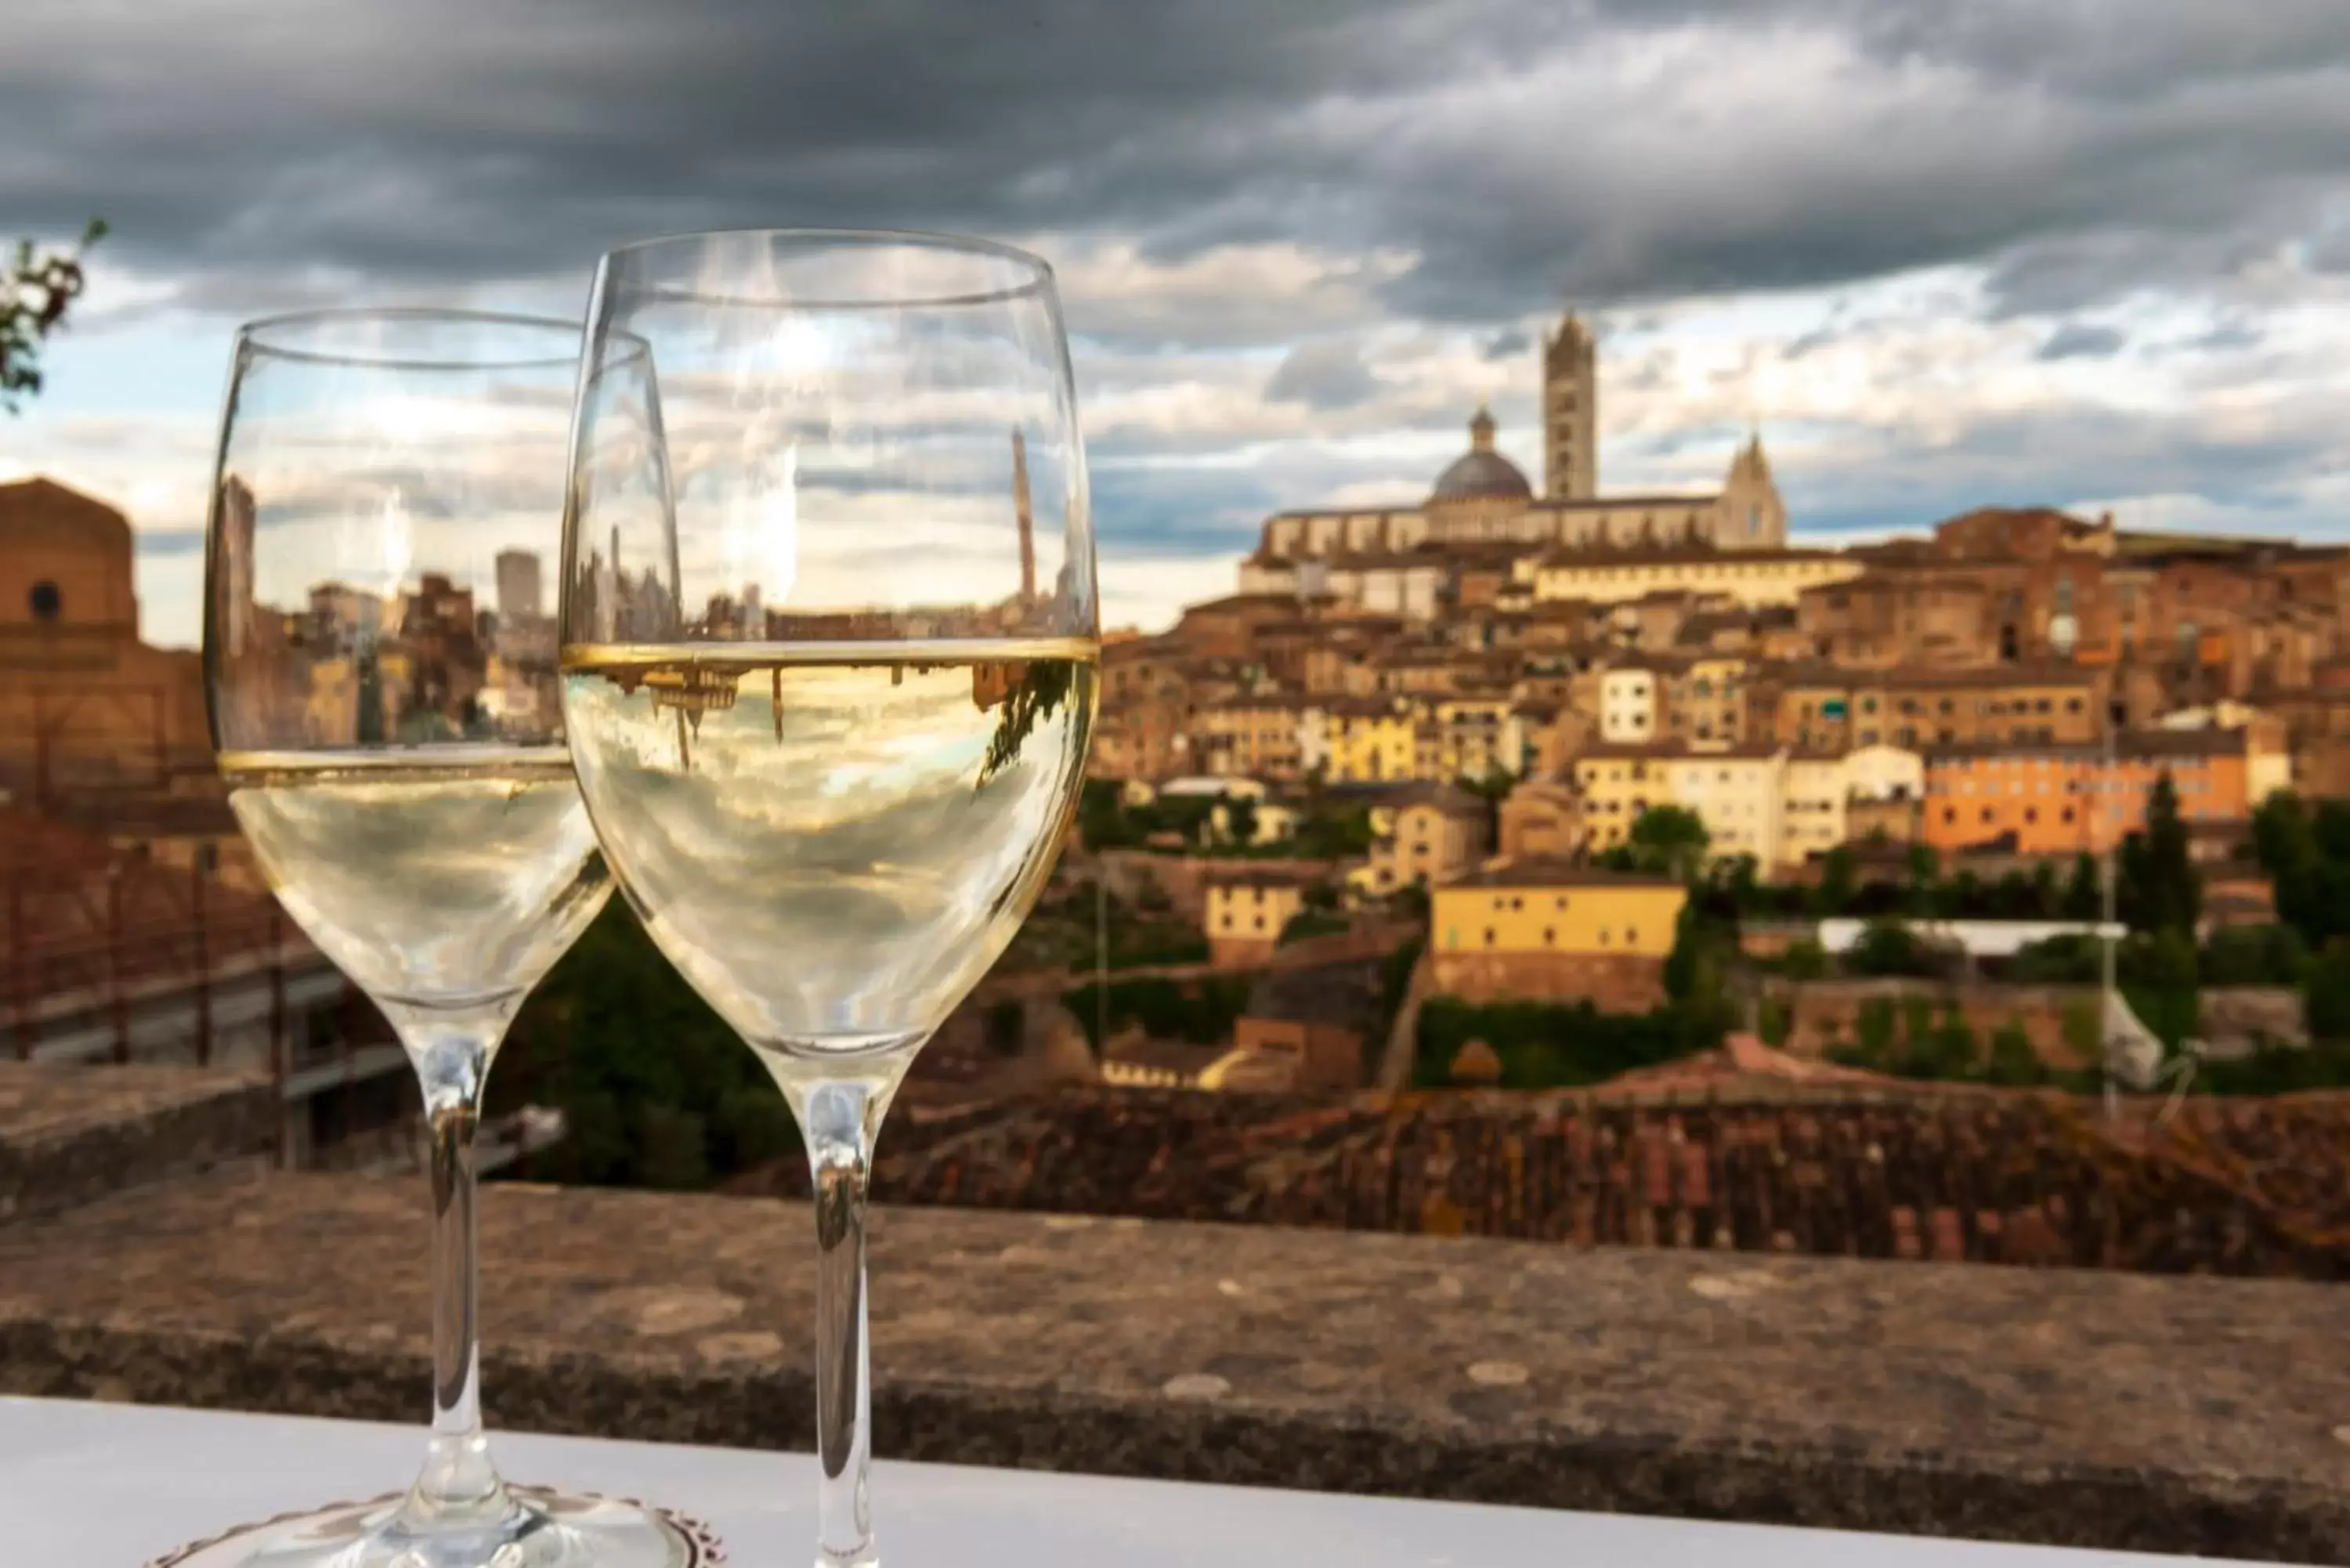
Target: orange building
x: 2069, y: 799
x: 84, y: 705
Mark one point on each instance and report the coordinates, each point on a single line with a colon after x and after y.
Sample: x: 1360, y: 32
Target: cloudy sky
x: 2088, y: 251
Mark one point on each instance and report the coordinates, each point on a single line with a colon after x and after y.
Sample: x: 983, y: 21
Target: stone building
x: 85, y: 705
x: 1550, y: 930
x: 1413, y: 561
x: 1246, y: 913
x: 2046, y: 800
x: 2039, y: 703
x: 1541, y: 819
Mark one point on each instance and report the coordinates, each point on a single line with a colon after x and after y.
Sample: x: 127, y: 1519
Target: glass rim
x: 1040, y: 279
x: 263, y: 335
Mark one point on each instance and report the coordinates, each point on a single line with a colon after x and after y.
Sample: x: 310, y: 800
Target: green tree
x: 1773, y: 1022
x: 2083, y: 1024
x: 673, y: 1149
x: 1888, y: 947
x: 2328, y: 999
x: 1240, y: 819
x: 1696, y: 971
x: 1921, y: 870
x: 36, y: 292
x: 1943, y: 1052
x: 655, y: 1088
x: 2255, y: 955
x: 2013, y: 1063
x: 1805, y: 960
x: 2069, y: 960
x: 2085, y: 890
x: 1670, y: 840
x: 2159, y: 891
x: 1874, y: 1026
x: 1917, y: 1023
x: 1839, y: 881
x: 2305, y: 852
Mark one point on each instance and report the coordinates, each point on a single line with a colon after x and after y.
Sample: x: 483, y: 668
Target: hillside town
x: 1551, y: 730
x: 1463, y: 842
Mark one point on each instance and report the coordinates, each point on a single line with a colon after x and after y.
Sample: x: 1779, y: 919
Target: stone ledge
x: 72, y: 1134
x: 2173, y: 1414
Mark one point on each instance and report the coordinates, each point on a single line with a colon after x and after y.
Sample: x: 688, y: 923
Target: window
x: 1603, y: 936
x: 46, y: 602
x: 1631, y: 933
x: 1550, y: 937
x: 1489, y: 936
x: 1950, y: 814
x: 1986, y: 813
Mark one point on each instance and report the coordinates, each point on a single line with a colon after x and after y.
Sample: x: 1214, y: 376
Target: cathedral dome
x: 1481, y: 474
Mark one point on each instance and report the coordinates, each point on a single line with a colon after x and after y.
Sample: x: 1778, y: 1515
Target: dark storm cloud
x: 2082, y: 340
x: 1610, y: 150
x: 1504, y: 346
x: 1328, y: 373
x: 2055, y: 457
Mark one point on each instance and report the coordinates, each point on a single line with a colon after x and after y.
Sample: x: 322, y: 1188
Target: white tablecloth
x: 109, y: 1486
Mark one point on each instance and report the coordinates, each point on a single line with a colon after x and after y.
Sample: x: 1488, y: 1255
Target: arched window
x: 46, y: 601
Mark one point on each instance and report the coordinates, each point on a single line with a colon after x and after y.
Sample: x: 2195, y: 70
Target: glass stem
x: 840, y: 1117
x: 459, y: 1484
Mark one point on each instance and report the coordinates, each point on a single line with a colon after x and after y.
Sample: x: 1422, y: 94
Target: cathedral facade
x: 1482, y: 502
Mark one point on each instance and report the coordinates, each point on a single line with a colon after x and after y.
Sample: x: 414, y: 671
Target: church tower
x: 1570, y: 380
x: 1753, y: 514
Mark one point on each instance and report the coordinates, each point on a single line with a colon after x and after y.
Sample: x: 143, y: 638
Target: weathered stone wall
x: 1829, y: 1011
x: 1613, y: 984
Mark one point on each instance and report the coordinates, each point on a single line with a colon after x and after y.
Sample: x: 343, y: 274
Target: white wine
x: 833, y: 841
x: 435, y: 877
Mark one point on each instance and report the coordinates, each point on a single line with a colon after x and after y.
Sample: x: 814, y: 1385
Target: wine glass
x: 381, y: 666
x: 829, y: 654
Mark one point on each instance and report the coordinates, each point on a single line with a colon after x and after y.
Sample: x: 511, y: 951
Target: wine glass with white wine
x: 830, y: 705
x: 380, y: 664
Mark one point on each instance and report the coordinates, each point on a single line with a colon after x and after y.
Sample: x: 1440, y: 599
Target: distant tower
x: 237, y: 605
x: 519, y: 596
x: 1027, y: 520
x: 1753, y: 514
x: 1570, y: 368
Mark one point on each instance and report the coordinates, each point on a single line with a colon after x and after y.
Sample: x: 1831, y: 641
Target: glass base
x: 547, y: 1530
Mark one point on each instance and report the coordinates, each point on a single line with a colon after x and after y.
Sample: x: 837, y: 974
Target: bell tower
x: 1570, y: 382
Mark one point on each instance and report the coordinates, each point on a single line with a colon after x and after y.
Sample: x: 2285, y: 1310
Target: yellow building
x: 1617, y: 783
x: 1708, y: 700
x: 1814, y: 816
x: 1752, y: 578
x: 1436, y: 834
x: 1359, y: 740
x: 1738, y: 792
x: 1467, y: 737
x: 1246, y: 913
x: 1552, y: 907
x: 1546, y: 930
x: 1252, y: 737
